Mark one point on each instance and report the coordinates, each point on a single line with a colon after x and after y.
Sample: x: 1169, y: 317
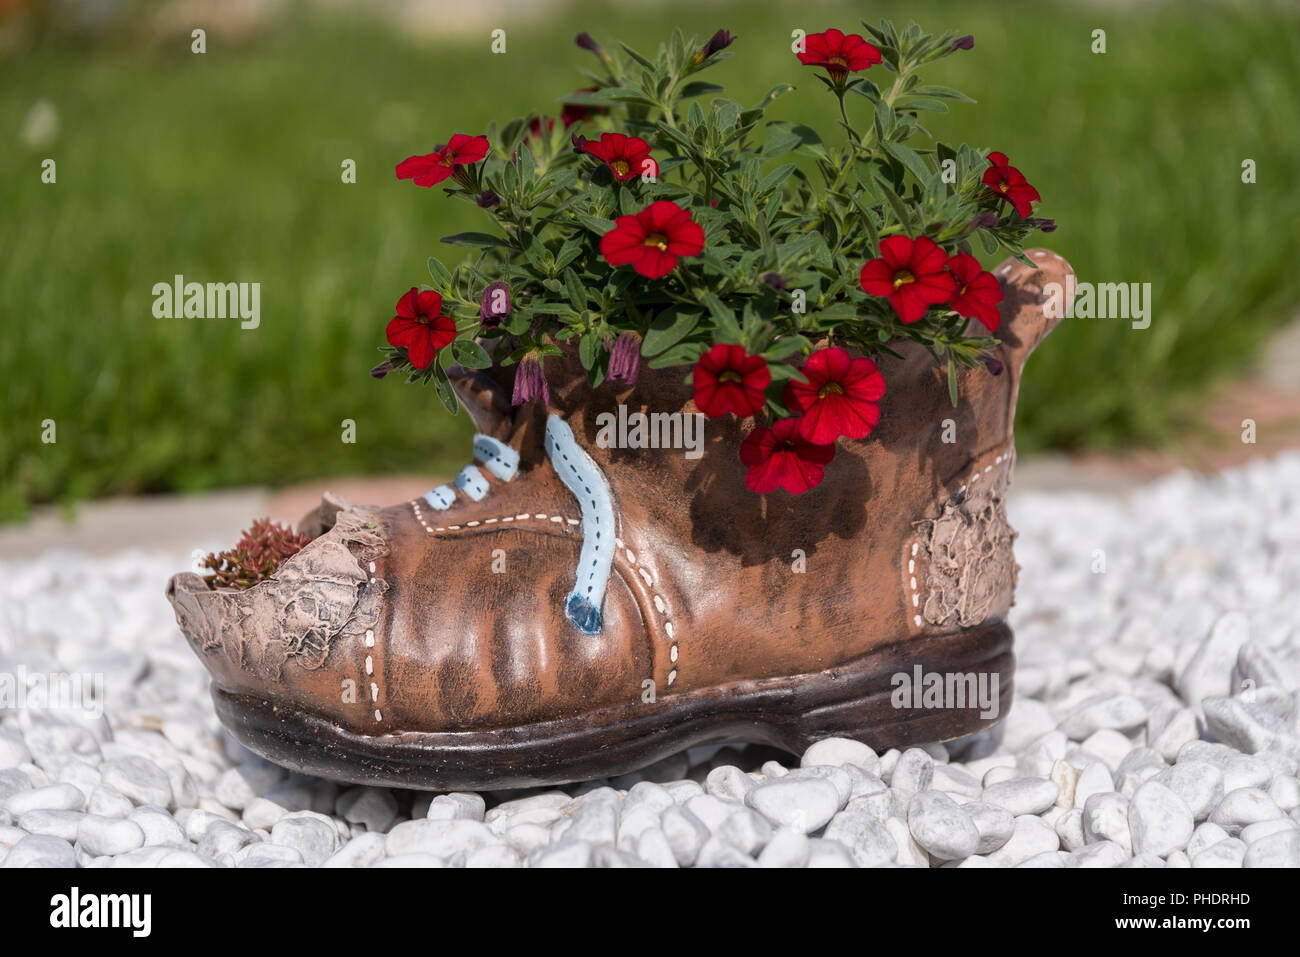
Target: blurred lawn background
x: 226, y: 167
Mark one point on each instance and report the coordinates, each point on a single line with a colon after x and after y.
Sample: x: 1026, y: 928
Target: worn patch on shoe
x: 967, y: 553
x: 319, y: 595
x: 582, y: 476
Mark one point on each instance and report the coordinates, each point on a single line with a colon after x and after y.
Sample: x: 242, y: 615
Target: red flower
x: 653, y: 240
x: 535, y: 126
x: 626, y: 156
x: 420, y: 327
x: 839, y: 54
x: 1006, y: 180
x: 435, y: 167
x: 572, y: 113
x: 728, y: 380
x: 780, y: 457
x: 978, y: 292
x: 839, y: 398
x: 910, y: 272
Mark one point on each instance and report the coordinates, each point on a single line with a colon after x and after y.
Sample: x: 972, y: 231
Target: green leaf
x: 637, y: 56
x: 596, y: 224
x: 441, y: 274
x: 774, y: 180
x: 781, y: 89
x: 688, y: 353
x: 518, y: 322
x: 909, y: 158
x: 588, y: 350
x: 576, y: 290
x: 482, y: 240
x: 784, y: 347
x: 699, y: 88
x: 895, y: 204
x: 724, y: 318
x: 470, y: 354
x: 442, y: 386
x: 668, y: 328
x: 568, y: 253
x: 941, y: 93
x: 952, y: 381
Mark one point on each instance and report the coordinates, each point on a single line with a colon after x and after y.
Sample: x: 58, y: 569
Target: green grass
x: 225, y: 167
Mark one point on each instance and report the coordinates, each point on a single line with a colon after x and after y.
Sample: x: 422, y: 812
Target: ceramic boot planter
x: 565, y: 611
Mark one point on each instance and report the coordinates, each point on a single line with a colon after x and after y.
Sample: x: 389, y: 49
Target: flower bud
x: 487, y: 199
x: 495, y: 305
x: 963, y: 43
x: 625, y: 357
x: 717, y: 43
x: 530, y: 383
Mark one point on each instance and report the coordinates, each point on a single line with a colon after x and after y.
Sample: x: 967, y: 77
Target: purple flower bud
x: 495, y: 305
x: 993, y: 365
x: 963, y: 43
x: 625, y: 357
x: 383, y: 368
x: 719, y: 41
x: 1043, y: 225
x: 487, y: 199
x: 774, y: 279
x: 585, y: 41
x: 530, y: 384
x: 985, y: 220
x: 578, y: 141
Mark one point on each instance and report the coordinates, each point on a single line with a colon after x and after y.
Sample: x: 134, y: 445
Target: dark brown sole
x: 854, y: 700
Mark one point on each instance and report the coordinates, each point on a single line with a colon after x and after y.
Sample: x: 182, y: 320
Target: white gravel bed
x: 1156, y: 724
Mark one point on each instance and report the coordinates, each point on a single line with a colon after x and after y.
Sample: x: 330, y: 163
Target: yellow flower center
x: 902, y: 278
x: 658, y: 240
x: 830, y: 388
x: 620, y: 167
x: 838, y: 61
x: 731, y: 375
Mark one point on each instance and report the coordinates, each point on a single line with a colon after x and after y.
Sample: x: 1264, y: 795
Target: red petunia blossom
x: 626, y: 156
x: 420, y: 327
x: 780, y: 457
x: 978, y: 292
x: 911, y: 273
x: 653, y: 240
x: 572, y: 113
x: 435, y: 167
x: 535, y: 126
x: 1005, y: 180
x: 838, y: 53
x: 839, y: 397
x: 726, y: 379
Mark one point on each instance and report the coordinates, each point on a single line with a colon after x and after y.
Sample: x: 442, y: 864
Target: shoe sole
x: 854, y: 700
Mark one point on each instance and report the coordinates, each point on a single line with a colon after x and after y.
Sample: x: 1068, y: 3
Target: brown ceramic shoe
x: 568, y: 611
